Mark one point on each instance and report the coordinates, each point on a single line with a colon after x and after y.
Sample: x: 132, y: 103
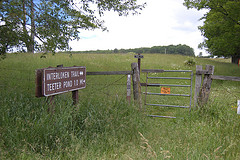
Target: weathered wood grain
x: 136, y: 85
x: 205, y: 91
x: 229, y: 78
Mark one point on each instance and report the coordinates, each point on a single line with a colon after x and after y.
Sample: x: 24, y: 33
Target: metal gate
x: 165, y: 91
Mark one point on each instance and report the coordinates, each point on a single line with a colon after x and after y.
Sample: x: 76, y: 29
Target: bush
x: 190, y: 62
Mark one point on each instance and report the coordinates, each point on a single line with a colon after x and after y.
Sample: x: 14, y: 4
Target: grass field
x: 104, y: 125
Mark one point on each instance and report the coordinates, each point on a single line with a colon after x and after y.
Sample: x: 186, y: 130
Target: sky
x: 161, y: 22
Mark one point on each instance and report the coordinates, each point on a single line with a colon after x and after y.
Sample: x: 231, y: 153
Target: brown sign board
x: 53, y: 81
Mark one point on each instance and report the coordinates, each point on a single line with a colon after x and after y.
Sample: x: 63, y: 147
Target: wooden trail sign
x: 138, y: 56
x: 53, y: 81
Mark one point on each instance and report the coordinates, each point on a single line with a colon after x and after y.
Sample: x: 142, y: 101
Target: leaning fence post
x: 136, y: 84
x: 198, y: 82
x: 207, y: 81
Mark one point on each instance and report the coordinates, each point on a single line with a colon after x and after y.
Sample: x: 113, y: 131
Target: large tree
x: 221, y: 27
x: 49, y: 25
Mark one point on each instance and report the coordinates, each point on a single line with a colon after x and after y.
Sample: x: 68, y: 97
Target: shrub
x: 190, y: 62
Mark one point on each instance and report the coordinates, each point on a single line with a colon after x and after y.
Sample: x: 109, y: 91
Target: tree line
x: 170, y: 49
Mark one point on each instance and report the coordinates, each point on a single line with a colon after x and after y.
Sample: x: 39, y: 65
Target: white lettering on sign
x: 67, y: 84
x: 57, y: 75
x: 54, y: 86
x: 75, y: 82
x: 76, y: 73
x: 82, y: 81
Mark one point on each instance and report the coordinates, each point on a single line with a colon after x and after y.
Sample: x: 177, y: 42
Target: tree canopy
x: 221, y: 27
x: 44, y: 25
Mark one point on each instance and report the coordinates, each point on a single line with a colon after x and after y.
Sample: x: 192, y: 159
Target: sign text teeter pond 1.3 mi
x: 61, y: 80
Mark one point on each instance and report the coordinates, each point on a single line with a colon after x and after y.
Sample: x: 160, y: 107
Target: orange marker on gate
x: 165, y: 90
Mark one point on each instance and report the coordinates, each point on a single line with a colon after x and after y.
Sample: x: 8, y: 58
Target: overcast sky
x: 162, y: 22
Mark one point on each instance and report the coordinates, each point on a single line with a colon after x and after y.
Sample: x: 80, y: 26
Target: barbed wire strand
x: 108, y: 85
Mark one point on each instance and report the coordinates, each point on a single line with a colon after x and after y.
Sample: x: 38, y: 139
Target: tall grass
x: 27, y: 127
x: 104, y: 125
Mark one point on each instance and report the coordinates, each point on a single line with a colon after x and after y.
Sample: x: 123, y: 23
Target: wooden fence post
x: 207, y: 81
x: 136, y: 84
x: 198, y: 82
x: 129, y: 88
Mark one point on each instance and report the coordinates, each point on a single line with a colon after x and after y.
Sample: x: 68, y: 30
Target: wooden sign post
x: 139, y: 57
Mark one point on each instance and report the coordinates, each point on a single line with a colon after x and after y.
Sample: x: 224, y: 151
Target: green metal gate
x: 184, y: 77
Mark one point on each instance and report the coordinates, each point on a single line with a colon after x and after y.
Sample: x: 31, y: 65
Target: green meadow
x: 104, y: 125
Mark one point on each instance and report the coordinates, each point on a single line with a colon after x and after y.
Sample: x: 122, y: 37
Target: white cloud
x: 161, y: 23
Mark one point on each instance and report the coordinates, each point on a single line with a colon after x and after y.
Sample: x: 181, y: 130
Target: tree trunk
x: 24, y: 16
x: 25, y: 33
x: 31, y: 44
x: 235, y: 58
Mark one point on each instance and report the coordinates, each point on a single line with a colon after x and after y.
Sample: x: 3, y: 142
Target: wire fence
x: 230, y: 93
x: 23, y: 82
x: 111, y: 86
